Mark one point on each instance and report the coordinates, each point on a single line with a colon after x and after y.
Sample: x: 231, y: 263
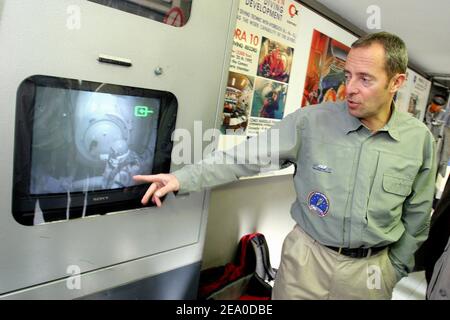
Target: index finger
x: 147, y: 178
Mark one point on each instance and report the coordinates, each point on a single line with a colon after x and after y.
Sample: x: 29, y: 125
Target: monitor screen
x: 87, y: 141
x: 78, y: 144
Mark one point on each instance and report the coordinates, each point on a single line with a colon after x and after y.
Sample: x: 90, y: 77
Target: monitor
x: 78, y: 144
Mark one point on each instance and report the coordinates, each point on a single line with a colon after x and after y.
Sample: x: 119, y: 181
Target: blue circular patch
x: 318, y: 203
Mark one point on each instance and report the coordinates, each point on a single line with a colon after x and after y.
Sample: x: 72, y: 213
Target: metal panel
x: 181, y: 284
x: 108, y: 279
x: 193, y: 59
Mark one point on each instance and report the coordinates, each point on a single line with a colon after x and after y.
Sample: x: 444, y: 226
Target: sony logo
x: 100, y: 198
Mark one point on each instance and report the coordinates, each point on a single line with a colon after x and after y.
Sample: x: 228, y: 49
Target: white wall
x: 257, y: 205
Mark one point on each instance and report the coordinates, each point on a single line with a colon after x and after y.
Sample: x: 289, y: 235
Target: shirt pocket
x: 324, y: 170
x: 400, y: 186
x: 394, y: 179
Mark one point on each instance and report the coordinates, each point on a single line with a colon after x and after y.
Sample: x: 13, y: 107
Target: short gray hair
x: 395, y: 50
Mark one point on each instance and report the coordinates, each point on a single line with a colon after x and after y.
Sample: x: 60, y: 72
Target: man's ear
x: 397, y: 82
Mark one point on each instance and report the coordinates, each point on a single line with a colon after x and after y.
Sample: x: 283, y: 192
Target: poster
x: 269, y: 61
x: 236, y: 108
x: 260, y: 66
x: 413, y: 95
x: 325, y: 79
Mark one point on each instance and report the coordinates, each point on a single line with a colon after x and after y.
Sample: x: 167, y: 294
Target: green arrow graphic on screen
x: 142, y: 111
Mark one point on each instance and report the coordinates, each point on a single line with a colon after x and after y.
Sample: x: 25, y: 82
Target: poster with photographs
x: 237, y: 103
x: 413, y: 95
x: 325, y: 80
x: 260, y: 66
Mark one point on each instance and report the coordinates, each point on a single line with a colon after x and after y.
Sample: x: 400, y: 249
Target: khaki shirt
x: 354, y: 188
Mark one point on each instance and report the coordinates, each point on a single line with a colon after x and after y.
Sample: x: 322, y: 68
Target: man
x: 439, y: 234
x: 270, y: 105
x: 439, y: 287
x: 437, y: 254
x: 364, y: 183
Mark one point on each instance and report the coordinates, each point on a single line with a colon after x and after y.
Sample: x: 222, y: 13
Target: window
x: 172, y: 12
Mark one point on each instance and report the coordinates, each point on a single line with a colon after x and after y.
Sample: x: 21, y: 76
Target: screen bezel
x: 66, y: 206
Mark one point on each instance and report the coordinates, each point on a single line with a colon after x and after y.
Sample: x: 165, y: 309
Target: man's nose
x: 350, y: 88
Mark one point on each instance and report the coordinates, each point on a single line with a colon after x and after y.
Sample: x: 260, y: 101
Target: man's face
x: 368, y: 89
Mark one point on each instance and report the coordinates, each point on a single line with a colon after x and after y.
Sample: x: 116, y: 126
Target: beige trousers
x: 309, y: 270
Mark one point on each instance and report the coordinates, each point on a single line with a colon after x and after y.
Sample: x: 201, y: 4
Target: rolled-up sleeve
x: 266, y: 151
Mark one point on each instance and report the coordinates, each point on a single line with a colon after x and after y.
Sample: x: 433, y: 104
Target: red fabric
x: 232, y: 271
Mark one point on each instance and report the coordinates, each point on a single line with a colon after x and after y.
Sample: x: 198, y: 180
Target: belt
x: 357, y: 252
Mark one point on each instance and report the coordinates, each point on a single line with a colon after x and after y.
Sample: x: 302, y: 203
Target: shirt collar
x: 391, y: 126
x: 353, y: 123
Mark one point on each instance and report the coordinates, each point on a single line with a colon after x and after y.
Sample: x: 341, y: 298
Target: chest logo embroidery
x: 322, y: 168
x: 318, y: 203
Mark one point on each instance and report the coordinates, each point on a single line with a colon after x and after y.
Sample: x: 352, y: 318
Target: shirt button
x: 443, y: 292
